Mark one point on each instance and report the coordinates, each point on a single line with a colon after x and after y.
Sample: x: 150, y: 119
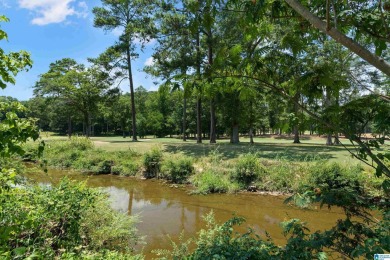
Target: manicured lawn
x: 268, y: 147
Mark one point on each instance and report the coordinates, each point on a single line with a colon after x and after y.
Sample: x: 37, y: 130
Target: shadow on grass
x: 298, y: 153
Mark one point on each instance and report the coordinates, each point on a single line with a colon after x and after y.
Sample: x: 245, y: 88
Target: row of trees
x: 250, y: 64
x: 160, y: 113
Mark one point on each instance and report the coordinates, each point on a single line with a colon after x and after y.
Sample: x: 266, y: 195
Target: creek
x: 164, y: 210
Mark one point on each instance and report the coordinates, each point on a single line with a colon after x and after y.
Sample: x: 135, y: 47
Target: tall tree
x: 79, y: 87
x: 134, y: 19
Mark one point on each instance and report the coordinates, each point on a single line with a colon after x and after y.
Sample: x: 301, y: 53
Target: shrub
x: 211, y: 182
x: 152, y: 162
x: 282, y: 176
x: 248, y: 169
x: 44, y: 222
x: 177, y: 169
x: 103, y: 167
x: 219, y: 241
x: 333, y: 176
x: 126, y: 168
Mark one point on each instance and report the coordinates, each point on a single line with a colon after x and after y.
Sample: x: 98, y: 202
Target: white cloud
x: 149, y: 61
x: 53, y: 11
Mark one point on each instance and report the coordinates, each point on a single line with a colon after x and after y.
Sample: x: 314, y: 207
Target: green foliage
x: 79, y: 154
x: 152, y: 162
x: 15, y: 131
x: 211, y: 182
x: 44, y: 222
x: 283, y: 175
x: 177, y: 168
x: 126, y: 168
x: 11, y: 63
x: 221, y: 242
x: 105, y: 228
x: 248, y: 169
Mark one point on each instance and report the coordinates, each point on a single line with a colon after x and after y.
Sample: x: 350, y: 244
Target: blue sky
x: 54, y: 29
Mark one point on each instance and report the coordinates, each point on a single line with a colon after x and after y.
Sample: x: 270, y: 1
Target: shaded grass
x: 210, y: 168
x: 268, y: 147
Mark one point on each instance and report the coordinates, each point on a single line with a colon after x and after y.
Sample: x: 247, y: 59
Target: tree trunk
x: 133, y: 112
x: 339, y: 37
x: 336, y: 139
x: 213, y: 124
x: 329, y: 139
x: 296, y: 122
x: 235, y: 135
x: 184, y: 118
x: 251, y: 136
x: 213, y: 138
x: 199, y: 101
x: 199, y: 121
x: 87, y: 125
x: 327, y: 104
x: 69, y: 126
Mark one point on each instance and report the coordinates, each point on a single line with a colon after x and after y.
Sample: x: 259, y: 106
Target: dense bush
x: 177, y: 168
x: 248, y: 169
x: 283, y: 176
x: 152, y: 162
x: 44, y: 222
x: 219, y: 241
x: 125, y: 168
x: 212, y: 182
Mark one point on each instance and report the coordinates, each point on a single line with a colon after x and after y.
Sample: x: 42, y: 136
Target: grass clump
x: 213, y: 182
x: 281, y: 176
x: 248, y: 169
x: 126, y: 168
x: 177, y: 168
x: 152, y: 162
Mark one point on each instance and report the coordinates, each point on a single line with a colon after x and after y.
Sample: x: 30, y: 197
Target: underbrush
x: 68, y: 221
x: 177, y: 168
x: 80, y: 154
x: 209, y: 174
x: 348, y: 239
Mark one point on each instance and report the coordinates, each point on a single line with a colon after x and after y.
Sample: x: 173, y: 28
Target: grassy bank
x: 211, y: 172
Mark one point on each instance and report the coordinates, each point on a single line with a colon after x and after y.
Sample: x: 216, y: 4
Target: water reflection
x: 164, y: 210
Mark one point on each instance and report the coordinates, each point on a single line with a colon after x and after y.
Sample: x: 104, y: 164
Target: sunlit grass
x: 312, y: 148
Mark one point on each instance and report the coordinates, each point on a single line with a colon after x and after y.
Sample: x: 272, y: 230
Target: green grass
x: 311, y: 148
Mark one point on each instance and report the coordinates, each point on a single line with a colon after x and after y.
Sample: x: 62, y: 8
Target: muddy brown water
x: 164, y: 210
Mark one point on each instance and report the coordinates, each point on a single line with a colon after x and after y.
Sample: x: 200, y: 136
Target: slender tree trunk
x: 133, y: 112
x: 251, y: 122
x: 199, y: 101
x: 87, y: 126
x: 251, y: 135
x: 339, y: 37
x: 213, y: 124
x: 296, y: 124
x: 69, y: 126
x: 327, y: 104
x: 336, y: 136
x: 213, y: 138
x: 199, y: 121
x: 184, y: 118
